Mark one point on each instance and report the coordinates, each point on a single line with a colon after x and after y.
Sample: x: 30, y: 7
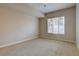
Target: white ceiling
x: 50, y: 6
x: 23, y: 8
x: 37, y: 9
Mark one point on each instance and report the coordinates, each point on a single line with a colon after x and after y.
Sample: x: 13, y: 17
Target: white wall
x: 16, y: 26
x: 70, y: 25
x: 77, y: 25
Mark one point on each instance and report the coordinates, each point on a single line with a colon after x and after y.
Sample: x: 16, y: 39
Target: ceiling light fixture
x: 45, y: 5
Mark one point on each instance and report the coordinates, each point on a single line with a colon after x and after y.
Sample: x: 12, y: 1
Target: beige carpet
x: 41, y: 47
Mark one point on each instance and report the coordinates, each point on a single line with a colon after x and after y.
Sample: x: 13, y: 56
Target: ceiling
x: 50, y: 7
x: 37, y: 9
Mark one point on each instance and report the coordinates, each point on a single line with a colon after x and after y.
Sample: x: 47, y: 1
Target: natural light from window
x: 56, y: 25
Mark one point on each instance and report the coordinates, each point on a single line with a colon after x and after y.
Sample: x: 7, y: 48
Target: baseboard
x: 60, y: 40
x: 26, y: 39
x: 14, y: 43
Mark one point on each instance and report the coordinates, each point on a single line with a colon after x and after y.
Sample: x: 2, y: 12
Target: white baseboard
x: 60, y: 40
x: 14, y: 43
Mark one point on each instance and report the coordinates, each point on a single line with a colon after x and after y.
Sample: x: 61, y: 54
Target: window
x: 56, y: 25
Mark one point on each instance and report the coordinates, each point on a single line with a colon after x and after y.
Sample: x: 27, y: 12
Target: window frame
x: 58, y: 25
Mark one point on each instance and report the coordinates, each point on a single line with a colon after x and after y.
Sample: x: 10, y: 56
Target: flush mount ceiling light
x: 44, y: 5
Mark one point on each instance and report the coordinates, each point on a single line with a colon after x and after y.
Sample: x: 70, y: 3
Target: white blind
x: 56, y: 25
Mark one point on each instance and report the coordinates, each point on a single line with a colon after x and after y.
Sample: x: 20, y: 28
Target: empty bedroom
x: 39, y: 29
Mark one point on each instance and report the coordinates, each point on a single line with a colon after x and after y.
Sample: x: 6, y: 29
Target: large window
x: 56, y: 25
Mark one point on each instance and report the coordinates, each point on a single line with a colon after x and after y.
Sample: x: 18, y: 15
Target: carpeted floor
x: 41, y: 47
